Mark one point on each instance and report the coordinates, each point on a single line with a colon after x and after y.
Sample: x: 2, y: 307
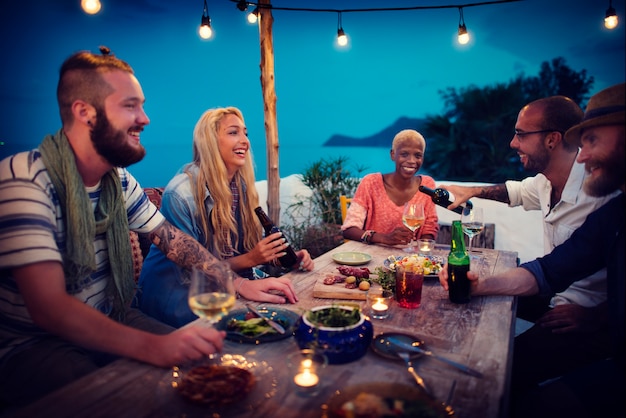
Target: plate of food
x: 385, y: 399
x: 223, y: 385
x: 351, y: 258
x: 244, y: 327
x: 432, y: 263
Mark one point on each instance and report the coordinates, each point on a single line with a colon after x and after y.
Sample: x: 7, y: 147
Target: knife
x: 279, y: 328
x: 417, y: 349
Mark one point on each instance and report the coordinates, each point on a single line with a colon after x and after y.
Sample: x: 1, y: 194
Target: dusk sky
x: 395, y: 66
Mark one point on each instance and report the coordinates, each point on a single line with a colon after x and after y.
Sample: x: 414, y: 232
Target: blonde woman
x: 213, y: 200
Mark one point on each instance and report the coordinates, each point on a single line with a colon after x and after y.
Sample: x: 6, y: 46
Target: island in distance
x: 381, y: 139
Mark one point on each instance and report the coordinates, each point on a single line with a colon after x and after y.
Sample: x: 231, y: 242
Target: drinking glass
x: 409, y: 285
x: 211, y: 292
x: 412, y: 218
x: 472, y: 223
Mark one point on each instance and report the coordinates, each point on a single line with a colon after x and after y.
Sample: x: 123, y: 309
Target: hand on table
x: 399, y: 236
x: 570, y: 317
x: 265, y: 290
x: 191, y: 342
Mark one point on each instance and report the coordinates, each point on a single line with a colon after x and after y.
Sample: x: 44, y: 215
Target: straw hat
x: 606, y: 107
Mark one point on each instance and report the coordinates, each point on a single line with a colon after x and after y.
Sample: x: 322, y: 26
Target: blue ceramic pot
x: 340, y: 345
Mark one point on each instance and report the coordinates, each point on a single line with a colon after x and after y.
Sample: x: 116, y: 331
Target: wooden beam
x: 269, y: 106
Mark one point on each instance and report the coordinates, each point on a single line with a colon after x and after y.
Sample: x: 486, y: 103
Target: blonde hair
x: 220, y: 224
x: 407, y: 135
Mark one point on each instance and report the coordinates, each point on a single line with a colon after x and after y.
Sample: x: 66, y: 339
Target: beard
x: 112, y: 144
x: 611, y: 178
x: 538, y: 161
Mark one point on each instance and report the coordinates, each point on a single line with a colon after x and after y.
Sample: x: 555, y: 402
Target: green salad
x: 253, y: 327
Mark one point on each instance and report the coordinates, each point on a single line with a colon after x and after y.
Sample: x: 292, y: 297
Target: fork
x: 418, y: 379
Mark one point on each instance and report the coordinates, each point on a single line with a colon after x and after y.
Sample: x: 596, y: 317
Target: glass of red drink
x: 409, y: 283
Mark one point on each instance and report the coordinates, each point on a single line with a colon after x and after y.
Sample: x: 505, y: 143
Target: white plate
x: 352, y: 258
x: 434, y: 258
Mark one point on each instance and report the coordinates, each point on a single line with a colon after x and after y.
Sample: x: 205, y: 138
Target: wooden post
x: 269, y: 106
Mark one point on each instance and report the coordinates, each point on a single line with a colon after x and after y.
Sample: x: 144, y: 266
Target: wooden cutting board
x: 338, y: 290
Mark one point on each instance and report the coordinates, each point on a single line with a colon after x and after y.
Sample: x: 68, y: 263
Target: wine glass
x: 472, y: 223
x: 412, y: 218
x: 212, y: 292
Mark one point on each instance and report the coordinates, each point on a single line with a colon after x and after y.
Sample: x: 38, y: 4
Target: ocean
x: 161, y: 164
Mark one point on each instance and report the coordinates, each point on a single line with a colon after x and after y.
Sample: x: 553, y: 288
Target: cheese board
x: 338, y: 290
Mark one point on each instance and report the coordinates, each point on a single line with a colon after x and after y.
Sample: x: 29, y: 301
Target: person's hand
x: 268, y: 249
x: 399, y: 236
x: 443, y: 277
x: 270, y: 290
x: 570, y: 317
x: 305, y: 261
x: 191, y: 342
x: 461, y: 194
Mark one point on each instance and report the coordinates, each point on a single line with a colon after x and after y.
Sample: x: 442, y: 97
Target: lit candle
x: 380, y: 306
x: 306, y: 379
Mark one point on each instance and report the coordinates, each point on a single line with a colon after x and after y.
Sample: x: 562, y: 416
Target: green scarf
x: 82, y: 224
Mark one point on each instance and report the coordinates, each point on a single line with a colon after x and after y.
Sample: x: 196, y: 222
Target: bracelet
x: 239, y: 287
x: 366, y: 238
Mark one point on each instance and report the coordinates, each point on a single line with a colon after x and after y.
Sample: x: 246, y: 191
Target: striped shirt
x: 32, y: 230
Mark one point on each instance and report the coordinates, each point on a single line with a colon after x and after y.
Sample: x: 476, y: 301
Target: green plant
x: 313, y: 222
x: 329, y: 179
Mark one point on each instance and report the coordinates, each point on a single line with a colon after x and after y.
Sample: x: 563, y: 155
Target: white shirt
x: 568, y: 214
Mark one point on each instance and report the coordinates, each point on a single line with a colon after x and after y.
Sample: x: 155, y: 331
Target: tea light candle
x: 306, y: 378
x: 380, y: 306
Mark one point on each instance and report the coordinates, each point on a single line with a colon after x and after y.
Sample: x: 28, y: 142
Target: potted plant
x: 341, y: 332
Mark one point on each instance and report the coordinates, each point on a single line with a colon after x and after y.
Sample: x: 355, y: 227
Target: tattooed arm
x: 462, y: 194
x: 185, y: 251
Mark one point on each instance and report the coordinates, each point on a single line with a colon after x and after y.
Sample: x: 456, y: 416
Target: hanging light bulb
x: 610, y: 19
x: 205, y: 30
x: 342, y: 38
x: 91, y: 6
x: 253, y: 16
x: 463, y: 36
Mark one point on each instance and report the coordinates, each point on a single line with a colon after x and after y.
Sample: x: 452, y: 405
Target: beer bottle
x: 442, y: 198
x: 289, y: 259
x: 458, y: 266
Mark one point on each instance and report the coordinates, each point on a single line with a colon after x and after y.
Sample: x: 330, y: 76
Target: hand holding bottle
x: 441, y: 197
x: 289, y: 259
x: 461, y: 194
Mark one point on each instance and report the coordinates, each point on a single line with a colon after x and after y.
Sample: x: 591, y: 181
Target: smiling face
x: 408, y: 154
x: 602, y: 153
x: 531, y: 147
x: 233, y: 142
x: 115, y: 133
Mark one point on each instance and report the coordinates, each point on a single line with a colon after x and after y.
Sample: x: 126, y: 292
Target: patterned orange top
x: 372, y: 209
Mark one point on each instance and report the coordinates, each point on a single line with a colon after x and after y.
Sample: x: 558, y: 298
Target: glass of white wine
x: 472, y: 223
x: 212, y: 292
x: 412, y: 218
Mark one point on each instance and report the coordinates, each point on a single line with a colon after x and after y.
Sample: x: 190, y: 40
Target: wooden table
x: 479, y: 334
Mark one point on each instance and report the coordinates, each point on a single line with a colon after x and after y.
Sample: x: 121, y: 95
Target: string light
x: 610, y: 19
x: 342, y: 38
x: 91, y: 6
x: 205, y: 30
x: 253, y: 16
x: 463, y: 35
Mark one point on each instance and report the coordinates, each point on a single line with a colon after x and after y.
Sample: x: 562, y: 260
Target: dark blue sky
x: 395, y: 66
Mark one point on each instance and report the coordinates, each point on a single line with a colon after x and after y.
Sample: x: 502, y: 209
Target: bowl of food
x: 341, y: 332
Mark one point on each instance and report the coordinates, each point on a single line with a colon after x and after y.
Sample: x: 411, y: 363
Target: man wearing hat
x: 595, y: 389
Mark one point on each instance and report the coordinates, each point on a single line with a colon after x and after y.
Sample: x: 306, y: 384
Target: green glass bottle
x: 458, y: 266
